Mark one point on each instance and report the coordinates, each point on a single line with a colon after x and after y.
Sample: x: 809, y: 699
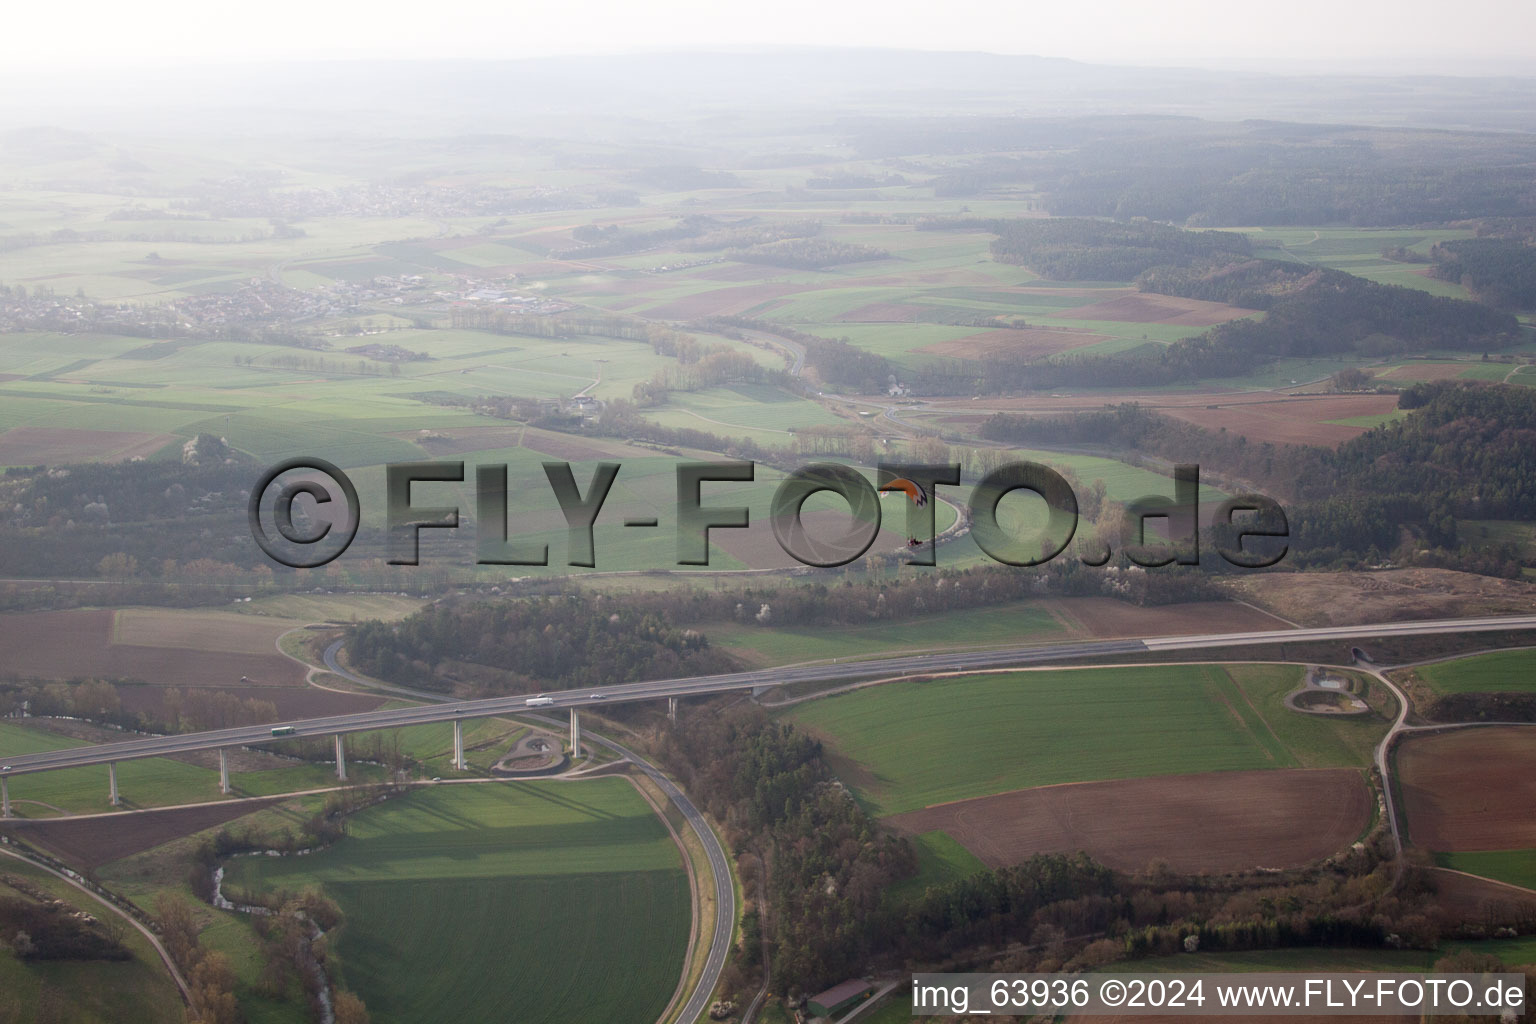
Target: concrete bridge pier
x: 112, y: 782
x: 341, y: 758
x: 458, y: 745
x: 575, y: 733
x: 5, y: 798
x: 672, y: 708
x: 223, y: 770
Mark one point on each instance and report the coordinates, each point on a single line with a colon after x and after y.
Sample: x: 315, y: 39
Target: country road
x: 447, y: 709
x: 720, y: 867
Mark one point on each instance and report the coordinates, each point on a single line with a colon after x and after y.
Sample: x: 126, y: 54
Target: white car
x: 597, y: 696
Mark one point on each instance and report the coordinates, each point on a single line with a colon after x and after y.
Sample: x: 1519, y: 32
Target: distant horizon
x: 1402, y: 66
x: 1480, y: 37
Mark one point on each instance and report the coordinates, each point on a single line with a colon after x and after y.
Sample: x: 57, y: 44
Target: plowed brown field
x: 80, y: 643
x: 1216, y: 821
x: 1472, y: 789
x: 91, y: 842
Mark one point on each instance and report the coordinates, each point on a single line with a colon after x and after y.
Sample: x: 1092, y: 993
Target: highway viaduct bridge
x: 456, y: 712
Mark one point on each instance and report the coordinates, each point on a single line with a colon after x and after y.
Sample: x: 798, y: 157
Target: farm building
x: 839, y: 997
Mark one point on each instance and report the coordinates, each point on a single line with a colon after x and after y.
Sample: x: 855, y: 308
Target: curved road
x: 447, y: 709
x: 725, y: 891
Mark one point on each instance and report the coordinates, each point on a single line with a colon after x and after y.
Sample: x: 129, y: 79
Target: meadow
x: 1019, y: 623
x: 134, y: 991
x: 514, y: 892
x: 1500, y: 671
x: 940, y: 860
x: 1517, y: 867
x: 906, y: 745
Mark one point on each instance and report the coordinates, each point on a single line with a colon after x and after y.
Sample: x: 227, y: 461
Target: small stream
x: 317, y: 972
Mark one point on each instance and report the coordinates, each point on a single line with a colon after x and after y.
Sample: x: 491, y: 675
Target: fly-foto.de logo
x: 305, y: 512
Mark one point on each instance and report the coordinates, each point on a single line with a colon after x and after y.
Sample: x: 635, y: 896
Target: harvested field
x: 757, y: 548
x: 885, y: 313
x: 1149, y: 307
x: 32, y: 446
x: 1106, y: 617
x: 1301, y: 419
x: 1257, y: 415
x: 1033, y: 342
x: 1471, y: 789
x: 1425, y: 371
x: 201, y: 630
x: 722, y: 301
x: 1243, y: 820
x: 88, y: 843
x: 291, y: 701
x: 79, y: 643
x: 1472, y: 900
x: 1351, y: 598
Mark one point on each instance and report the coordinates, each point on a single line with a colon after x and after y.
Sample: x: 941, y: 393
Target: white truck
x: 539, y: 702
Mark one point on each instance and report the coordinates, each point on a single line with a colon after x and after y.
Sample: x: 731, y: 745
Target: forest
x: 1498, y: 271
x: 827, y: 871
x: 1209, y: 173
x: 807, y: 253
x: 1468, y: 450
x: 1075, y: 249
x: 510, y: 646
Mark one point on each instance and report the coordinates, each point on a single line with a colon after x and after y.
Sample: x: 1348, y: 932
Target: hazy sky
x: 1475, y: 36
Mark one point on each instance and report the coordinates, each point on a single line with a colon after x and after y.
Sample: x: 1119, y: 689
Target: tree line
x: 1309, y: 312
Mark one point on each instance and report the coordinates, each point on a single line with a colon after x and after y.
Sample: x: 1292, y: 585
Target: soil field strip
x: 1478, y: 900
x: 1243, y: 820
x: 79, y: 643
x: 1472, y: 789
x: 1150, y: 307
x: 32, y: 446
x: 199, y: 630
x: 89, y: 843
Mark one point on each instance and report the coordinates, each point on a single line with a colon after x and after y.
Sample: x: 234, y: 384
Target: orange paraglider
x: 914, y: 491
x: 901, y: 485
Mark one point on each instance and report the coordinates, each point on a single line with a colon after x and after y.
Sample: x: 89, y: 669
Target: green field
x: 513, y: 892
x: 135, y: 991
x: 1517, y: 867
x: 1019, y: 623
x: 940, y: 859
x: 1500, y: 671
x: 906, y: 745
x: 1316, y: 741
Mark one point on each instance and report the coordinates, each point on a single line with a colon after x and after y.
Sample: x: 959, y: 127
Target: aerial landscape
x: 713, y: 527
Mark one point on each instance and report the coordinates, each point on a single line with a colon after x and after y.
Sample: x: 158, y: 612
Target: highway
x: 917, y: 664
